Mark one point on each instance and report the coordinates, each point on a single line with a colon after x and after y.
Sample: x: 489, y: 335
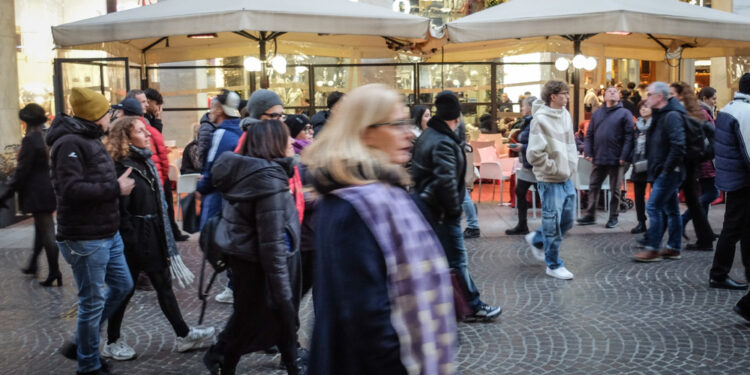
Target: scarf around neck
x: 419, y: 285
x: 177, y: 268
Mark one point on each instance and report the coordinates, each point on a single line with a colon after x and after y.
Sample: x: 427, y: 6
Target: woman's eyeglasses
x: 276, y: 116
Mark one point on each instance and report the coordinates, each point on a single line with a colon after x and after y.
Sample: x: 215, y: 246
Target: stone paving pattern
x: 615, y: 317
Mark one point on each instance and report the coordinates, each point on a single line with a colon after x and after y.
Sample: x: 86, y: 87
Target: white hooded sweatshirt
x: 552, y: 146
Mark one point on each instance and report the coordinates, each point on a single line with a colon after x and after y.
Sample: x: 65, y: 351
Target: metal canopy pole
x: 577, y: 39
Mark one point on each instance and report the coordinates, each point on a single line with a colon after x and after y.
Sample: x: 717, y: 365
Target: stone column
x: 719, y: 79
x: 10, y: 129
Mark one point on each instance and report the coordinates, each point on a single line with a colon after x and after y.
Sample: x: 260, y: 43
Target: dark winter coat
x: 356, y: 337
x: 205, y: 134
x: 732, y: 145
x: 609, y: 136
x: 32, y: 177
x: 141, y: 224
x: 438, y: 169
x: 707, y: 169
x: 318, y: 120
x: 630, y: 106
x: 259, y: 222
x: 665, y: 140
x: 83, y: 175
x: 523, y: 140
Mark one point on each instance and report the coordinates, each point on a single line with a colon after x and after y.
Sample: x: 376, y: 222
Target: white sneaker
x: 561, y: 273
x: 227, y: 296
x: 194, y: 338
x: 535, y: 251
x: 118, y: 350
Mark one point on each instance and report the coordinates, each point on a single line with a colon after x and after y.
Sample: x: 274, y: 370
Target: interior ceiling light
x: 619, y: 33
x: 579, y: 61
x: 562, y: 64
x: 590, y: 63
x: 279, y: 64
x: 252, y: 64
x: 203, y: 36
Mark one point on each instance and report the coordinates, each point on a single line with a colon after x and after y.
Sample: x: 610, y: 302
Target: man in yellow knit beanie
x: 88, y: 217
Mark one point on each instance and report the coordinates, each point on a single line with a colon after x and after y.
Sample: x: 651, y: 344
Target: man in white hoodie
x: 553, y: 154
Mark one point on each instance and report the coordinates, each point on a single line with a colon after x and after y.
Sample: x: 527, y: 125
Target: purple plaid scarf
x: 419, y: 284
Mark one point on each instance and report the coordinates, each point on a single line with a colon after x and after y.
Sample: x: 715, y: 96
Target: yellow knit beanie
x: 88, y: 104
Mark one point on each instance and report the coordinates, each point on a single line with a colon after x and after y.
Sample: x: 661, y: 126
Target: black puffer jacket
x: 84, y: 178
x: 32, y: 181
x: 259, y: 221
x: 438, y: 169
x: 665, y: 140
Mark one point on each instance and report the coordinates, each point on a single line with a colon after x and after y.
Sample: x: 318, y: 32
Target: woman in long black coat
x: 147, y: 236
x: 259, y: 231
x: 35, y: 192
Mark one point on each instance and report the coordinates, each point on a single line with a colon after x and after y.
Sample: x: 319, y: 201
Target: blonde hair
x: 117, y: 142
x: 338, y: 153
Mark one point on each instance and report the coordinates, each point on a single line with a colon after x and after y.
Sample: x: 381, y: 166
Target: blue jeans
x: 558, y: 216
x: 663, y: 209
x: 452, y: 238
x: 96, y: 263
x: 470, y: 211
x: 210, y: 207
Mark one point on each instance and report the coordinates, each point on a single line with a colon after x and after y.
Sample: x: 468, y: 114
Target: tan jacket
x: 552, y: 146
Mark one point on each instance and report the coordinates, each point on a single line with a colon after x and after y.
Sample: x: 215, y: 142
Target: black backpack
x: 212, y: 255
x: 699, y: 139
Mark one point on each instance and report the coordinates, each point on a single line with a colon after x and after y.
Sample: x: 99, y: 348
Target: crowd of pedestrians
x: 389, y: 183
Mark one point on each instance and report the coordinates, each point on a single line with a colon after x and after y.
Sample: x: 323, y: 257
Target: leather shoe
x: 611, y: 223
x: 518, y: 229
x: 727, y: 283
x: 640, y: 228
x: 586, y: 220
x: 695, y: 246
x: 742, y: 312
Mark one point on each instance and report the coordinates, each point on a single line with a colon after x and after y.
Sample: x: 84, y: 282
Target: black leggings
x: 162, y: 283
x: 521, y: 204
x: 640, y: 200
x: 44, y: 237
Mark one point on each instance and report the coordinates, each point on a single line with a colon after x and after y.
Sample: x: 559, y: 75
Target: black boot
x: 521, y: 228
x: 640, y: 228
x: 214, y: 362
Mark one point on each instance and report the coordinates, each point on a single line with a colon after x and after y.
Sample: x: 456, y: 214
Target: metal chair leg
x: 480, y: 190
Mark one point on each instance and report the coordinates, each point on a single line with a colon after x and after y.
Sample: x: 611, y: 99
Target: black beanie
x: 296, y: 123
x: 745, y: 84
x: 448, y: 107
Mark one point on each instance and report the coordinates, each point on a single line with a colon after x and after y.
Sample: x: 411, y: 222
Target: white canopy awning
x: 538, y: 24
x: 321, y: 27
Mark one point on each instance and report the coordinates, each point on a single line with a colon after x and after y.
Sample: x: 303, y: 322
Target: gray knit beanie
x: 260, y: 101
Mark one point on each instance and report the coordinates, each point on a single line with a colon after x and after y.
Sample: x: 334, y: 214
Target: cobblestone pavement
x: 615, y: 317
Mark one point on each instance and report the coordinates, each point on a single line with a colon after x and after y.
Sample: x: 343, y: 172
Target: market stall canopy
x: 183, y: 30
x: 614, y: 28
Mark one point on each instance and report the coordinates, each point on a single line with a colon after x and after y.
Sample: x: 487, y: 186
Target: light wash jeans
x: 96, y: 264
x: 663, y: 209
x: 558, y: 216
x: 470, y: 211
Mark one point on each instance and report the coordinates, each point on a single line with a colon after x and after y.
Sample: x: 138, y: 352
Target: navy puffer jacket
x: 609, y: 137
x: 732, y: 142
